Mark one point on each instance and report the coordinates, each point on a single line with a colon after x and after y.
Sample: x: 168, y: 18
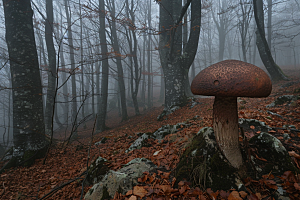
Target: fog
x: 227, y: 32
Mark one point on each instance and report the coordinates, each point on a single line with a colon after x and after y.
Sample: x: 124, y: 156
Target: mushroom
x: 227, y: 80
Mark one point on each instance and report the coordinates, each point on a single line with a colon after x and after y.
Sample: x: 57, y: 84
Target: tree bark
x: 50, y: 101
x: 262, y: 45
x: 116, y: 47
x: 149, y: 67
x: 270, y: 24
x: 176, y: 64
x: 104, y: 81
x: 28, y: 120
x: 73, y: 72
x: 81, y: 63
x: 134, y: 67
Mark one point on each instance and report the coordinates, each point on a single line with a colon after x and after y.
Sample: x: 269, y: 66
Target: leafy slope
x: 61, y: 177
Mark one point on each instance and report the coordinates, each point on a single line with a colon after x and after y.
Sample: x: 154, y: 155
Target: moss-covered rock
x: 283, y: 99
x: 204, y: 165
x: 272, y: 157
x: 159, y: 134
x: 122, y: 180
x: 96, y: 171
x: 26, y: 160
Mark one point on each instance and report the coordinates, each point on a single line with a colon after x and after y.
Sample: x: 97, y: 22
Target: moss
x: 31, y: 155
x: 120, y: 190
x: 96, y: 171
x: 26, y: 160
x: 204, y: 165
x: 223, y: 174
x: 105, y: 194
x: 91, y: 191
x: 297, y: 90
x: 187, y: 163
x: 271, y: 149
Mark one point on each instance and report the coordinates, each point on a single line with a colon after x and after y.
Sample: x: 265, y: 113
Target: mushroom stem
x: 225, y: 124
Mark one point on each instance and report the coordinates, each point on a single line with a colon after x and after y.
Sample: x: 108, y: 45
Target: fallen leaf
x: 234, y: 195
x: 132, y: 198
x: 139, y: 191
x: 243, y: 194
x: 294, y: 154
x: 297, y: 186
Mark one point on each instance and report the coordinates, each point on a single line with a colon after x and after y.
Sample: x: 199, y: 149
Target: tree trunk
x: 73, y: 78
x: 116, y: 47
x: 83, y: 97
x: 143, y: 89
x: 149, y: 102
x: 162, y: 87
x: 104, y: 81
x: 262, y: 45
x: 50, y: 101
x: 176, y: 64
x: 64, y: 75
x: 269, y: 28
x: 28, y: 120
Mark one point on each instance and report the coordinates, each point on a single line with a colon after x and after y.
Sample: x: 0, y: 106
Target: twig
x: 58, y: 188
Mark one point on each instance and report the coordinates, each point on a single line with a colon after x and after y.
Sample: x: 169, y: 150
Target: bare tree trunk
x: 28, y: 118
x: 73, y: 78
x: 104, y: 81
x: 50, y: 101
x: 162, y: 86
x: 63, y: 71
x: 175, y: 63
x: 81, y: 63
x: 134, y: 67
x: 116, y: 47
x: 143, y: 90
x: 269, y: 27
x: 149, y: 102
x: 262, y: 45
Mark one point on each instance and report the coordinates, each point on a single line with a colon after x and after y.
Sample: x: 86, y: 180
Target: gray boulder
x: 272, y: 155
x: 96, y: 171
x: 120, y: 181
x: 283, y: 99
x: 258, y: 125
x: 159, y: 134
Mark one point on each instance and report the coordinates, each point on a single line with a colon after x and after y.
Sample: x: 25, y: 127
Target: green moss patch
x: 204, y: 165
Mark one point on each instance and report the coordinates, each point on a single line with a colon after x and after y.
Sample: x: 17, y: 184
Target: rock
x: 159, y: 134
x: 286, y: 136
x: 288, y: 84
x: 163, y: 131
x: 97, y: 170
x: 120, y: 181
x: 258, y: 125
x: 283, y: 99
x: 272, y: 157
x: 139, y: 143
x: 297, y: 90
x: 203, y: 164
x: 275, y: 114
x: 102, y: 141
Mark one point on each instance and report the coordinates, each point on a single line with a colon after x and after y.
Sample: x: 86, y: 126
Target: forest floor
x: 61, y: 176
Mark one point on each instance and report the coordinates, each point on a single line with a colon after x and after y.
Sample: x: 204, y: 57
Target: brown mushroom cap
x: 232, y: 78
